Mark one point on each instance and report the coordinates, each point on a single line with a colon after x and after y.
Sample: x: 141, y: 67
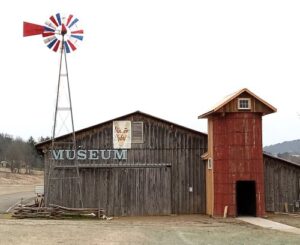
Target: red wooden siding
x: 238, y: 156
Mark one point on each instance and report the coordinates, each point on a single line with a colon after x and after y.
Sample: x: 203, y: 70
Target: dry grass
x: 8, y: 178
x: 182, y: 229
x: 288, y: 219
x: 14, y: 183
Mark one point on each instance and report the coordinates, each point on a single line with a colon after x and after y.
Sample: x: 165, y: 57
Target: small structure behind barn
x: 282, y: 184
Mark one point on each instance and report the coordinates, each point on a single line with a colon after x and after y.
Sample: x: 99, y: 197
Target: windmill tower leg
x: 63, y: 120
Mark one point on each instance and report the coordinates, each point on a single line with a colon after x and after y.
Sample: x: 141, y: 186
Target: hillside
x: 8, y: 178
x: 292, y: 147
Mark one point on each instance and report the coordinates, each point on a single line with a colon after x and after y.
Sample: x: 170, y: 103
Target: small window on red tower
x: 244, y: 104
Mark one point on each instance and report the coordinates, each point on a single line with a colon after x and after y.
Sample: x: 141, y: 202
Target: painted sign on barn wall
x: 122, y: 134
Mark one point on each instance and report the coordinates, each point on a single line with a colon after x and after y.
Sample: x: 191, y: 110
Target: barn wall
x: 139, y: 191
x: 282, y: 183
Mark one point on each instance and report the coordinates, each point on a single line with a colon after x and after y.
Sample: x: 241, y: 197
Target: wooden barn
x: 139, y: 164
x: 282, y: 184
x: 148, y: 166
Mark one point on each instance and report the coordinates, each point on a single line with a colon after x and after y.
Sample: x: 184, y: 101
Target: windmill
x: 61, y: 34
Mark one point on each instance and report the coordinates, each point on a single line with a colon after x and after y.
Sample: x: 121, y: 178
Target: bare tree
x: 19, y: 154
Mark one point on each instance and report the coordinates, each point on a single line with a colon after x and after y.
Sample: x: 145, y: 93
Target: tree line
x: 17, y: 154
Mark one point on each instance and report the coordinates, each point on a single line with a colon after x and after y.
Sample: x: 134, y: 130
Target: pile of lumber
x: 56, y: 211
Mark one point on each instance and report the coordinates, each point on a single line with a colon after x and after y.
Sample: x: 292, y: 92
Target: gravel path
x: 8, y: 200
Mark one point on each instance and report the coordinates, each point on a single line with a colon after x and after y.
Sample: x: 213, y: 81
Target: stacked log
x: 56, y: 211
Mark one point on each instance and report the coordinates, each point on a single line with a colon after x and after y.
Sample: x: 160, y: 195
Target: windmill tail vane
x: 58, y: 32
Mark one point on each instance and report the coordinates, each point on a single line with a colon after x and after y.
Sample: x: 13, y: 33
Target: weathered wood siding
x: 282, y: 183
x: 256, y: 105
x: 140, y: 191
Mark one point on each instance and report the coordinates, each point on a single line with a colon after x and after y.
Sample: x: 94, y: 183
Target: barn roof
x: 120, y: 118
x: 231, y: 97
x: 281, y: 159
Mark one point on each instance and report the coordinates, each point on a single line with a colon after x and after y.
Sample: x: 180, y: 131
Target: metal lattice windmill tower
x: 61, y: 34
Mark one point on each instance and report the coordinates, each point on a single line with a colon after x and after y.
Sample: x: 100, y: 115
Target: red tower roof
x: 264, y: 107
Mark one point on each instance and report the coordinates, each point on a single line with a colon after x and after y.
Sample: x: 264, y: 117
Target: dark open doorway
x: 246, y: 198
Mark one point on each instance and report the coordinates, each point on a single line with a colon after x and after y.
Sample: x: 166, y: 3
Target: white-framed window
x: 244, y: 103
x: 209, y: 163
x: 137, y: 133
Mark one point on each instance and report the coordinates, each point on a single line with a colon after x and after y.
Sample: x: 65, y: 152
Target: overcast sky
x: 172, y: 59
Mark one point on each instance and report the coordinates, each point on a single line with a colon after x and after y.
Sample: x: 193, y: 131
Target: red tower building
x: 234, y: 166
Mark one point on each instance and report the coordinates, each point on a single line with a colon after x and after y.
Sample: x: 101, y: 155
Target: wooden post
x: 225, y: 212
x: 99, y: 212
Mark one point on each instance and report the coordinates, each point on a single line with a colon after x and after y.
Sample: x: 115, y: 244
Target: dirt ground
x: 16, y: 188
x: 288, y: 219
x: 182, y: 229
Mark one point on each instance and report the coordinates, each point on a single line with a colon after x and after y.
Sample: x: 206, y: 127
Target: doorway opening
x: 245, y: 198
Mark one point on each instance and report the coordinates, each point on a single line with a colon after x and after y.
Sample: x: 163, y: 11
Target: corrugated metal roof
x: 278, y: 158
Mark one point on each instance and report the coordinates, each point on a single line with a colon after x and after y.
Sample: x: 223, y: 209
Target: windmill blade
x: 48, y: 34
x: 50, y: 25
x: 55, y: 48
x: 73, y: 22
x: 53, y: 20
x: 50, y: 45
x: 69, y: 19
x: 58, y: 18
x: 73, y: 47
x: 77, y: 32
x: 66, y: 47
x: 77, y: 37
x: 30, y: 29
x: 49, y: 39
